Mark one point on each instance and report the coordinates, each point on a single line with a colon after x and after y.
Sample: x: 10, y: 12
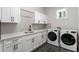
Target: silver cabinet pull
x: 11, y: 19
x: 42, y: 36
x: 33, y: 40
x: 15, y: 46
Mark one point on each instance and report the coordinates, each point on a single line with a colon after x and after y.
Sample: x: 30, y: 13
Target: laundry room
x: 39, y: 29
x: 68, y: 23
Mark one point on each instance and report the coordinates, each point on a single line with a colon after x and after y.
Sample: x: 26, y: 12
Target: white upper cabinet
x: 10, y: 15
x: 37, y: 17
x: 16, y: 14
x: 40, y: 18
x: 0, y: 13
x: 6, y: 14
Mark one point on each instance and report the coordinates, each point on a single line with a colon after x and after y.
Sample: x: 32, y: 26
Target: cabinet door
x: 37, y: 40
x: 16, y: 14
x: 44, y: 19
x: 18, y: 47
x: 0, y: 13
x: 44, y: 37
x: 8, y: 45
x: 6, y: 14
x: 27, y: 44
x: 37, y: 17
x: 17, y: 44
x: 1, y: 46
x: 40, y: 18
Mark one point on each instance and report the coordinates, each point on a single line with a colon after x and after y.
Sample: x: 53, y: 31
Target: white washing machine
x: 53, y: 36
x: 68, y: 39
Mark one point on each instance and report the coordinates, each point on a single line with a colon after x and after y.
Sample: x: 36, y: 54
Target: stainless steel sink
x: 26, y: 32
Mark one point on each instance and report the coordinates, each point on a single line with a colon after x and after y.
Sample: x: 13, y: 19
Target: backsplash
x: 38, y: 26
x: 70, y: 22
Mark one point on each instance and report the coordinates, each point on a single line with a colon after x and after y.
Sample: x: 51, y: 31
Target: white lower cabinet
x: 13, y: 45
x: 31, y: 42
x: 1, y: 46
x: 44, y: 36
x: 18, y: 46
x: 8, y: 46
x: 38, y: 40
x: 27, y: 43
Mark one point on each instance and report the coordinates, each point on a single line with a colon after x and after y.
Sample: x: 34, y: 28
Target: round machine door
x: 52, y: 36
x: 68, y: 39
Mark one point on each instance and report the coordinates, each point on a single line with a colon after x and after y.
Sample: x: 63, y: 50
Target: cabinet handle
x: 42, y: 36
x: 15, y: 46
x: 32, y: 40
x: 11, y: 19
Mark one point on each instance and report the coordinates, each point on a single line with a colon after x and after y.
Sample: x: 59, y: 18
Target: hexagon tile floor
x: 51, y: 48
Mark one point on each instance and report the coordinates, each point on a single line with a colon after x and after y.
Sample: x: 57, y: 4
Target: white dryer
x: 53, y: 36
x: 68, y: 39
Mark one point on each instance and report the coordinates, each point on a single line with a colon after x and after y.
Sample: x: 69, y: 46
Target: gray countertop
x: 18, y: 34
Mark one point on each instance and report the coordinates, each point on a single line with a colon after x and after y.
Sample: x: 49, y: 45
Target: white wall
x: 70, y: 22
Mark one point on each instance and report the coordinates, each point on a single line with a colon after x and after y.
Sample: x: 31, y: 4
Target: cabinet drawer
x: 26, y: 13
x: 8, y: 42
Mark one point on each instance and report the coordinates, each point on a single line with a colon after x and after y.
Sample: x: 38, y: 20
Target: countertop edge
x: 19, y: 34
